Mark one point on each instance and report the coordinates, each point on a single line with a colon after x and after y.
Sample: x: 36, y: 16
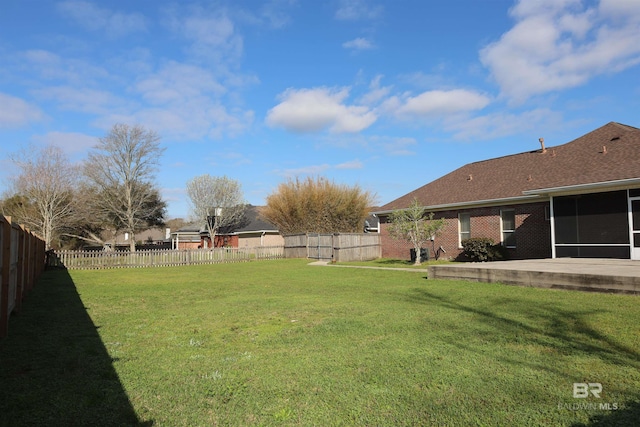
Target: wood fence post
x: 20, y: 268
x: 5, y: 263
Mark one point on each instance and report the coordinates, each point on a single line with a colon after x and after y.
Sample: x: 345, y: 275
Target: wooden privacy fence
x: 22, y: 256
x: 160, y: 258
x: 337, y: 247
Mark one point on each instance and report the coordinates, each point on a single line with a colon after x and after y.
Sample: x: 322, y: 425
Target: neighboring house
x: 372, y: 223
x: 187, y: 237
x: 253, y: 231
x: 151, y: 238
x: 579, y: 199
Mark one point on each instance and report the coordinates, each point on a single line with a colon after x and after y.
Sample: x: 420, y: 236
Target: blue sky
x: 388, y: 95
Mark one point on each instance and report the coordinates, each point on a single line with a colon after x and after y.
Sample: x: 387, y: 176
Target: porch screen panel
x: 590, y: 225
x: 635, y: 210
x: 566, y: 219
x: 599, y: 218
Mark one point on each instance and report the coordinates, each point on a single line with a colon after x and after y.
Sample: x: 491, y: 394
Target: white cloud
x: 440, y: 103
x: 179, y: 100
x: 80, y: 99
x: 556, y: 45
x: 621, y: 8
x: 178, y: 82
x: 353, y: 164
x: 499, y: 125
x: 276, y: 12
x: 46, y: 65
x: 305, y: 170
x: 359, y: 43
x: 319, y: 169
x: 212, y: 33
x: 194, y: 119
x: 354, y: 10
x: 95, y: 18
x: 376, y: 92
x: 394, y: 146
x: 313, y: 110
x: 69, y: 142
x: 15, y: 112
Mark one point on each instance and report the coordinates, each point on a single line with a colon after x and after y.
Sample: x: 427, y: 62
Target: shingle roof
x: 609, y: 153
x: 255, y: 222
x: 252, y: 222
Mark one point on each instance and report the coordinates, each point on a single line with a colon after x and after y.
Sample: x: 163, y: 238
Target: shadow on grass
x: 54, y: 368
x: 627, y: 416
x: 392, y: 261
x: 566, y: 331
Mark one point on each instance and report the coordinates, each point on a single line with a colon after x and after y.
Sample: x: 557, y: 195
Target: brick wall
x: 533, y: 232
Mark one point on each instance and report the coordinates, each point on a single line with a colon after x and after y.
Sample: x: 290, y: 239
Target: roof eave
x: 252, y: 232
x: 474, y: 203
x: 620, y: 184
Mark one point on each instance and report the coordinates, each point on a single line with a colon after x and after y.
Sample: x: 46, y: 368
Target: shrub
x: 317, y: 206
x: 483, y: 249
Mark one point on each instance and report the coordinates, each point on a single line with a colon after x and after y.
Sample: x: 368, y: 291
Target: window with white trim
x: 508, y: 226
x: 464, y: 227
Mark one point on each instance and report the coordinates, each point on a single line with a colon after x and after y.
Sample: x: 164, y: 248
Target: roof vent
x: 604, y: 149
x: 553, y: 153
x: 544, y: 150
x: 470, y: 177
x: 529, y: 179
x: 615, y: 138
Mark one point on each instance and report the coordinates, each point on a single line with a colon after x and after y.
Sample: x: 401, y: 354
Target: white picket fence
x: 161, y: 258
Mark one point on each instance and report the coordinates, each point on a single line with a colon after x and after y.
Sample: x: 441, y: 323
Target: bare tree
x: 42, y: 191
x: 414, y: 225
x: 121, y: 169
x: 94, y: 224
x: 216, y: 201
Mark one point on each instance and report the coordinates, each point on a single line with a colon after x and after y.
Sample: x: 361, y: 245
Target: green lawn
x: 395, y: 263
x: 284, y: 343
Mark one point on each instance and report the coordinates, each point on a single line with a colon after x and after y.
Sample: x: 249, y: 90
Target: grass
x: 394, y: 263
x: 285, y: 344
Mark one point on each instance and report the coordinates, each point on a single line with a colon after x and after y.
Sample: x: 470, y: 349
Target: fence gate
x: 320, y: 246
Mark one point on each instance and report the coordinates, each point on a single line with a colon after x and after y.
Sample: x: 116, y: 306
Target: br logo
x: 582, y: 390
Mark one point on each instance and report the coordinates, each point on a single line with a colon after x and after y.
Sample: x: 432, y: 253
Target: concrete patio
x: 585, y: 274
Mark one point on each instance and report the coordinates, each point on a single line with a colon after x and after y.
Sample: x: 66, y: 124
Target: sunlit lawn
x: 395, y: 263
x: 284, y: 343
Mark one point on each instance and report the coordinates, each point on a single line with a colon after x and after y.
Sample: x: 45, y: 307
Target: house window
x: 464, y: 227
x: 508, y: 224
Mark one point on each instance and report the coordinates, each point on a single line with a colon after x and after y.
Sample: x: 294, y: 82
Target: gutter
x: 488, y: 202
x: 585, y: 188
x: 237, y: 233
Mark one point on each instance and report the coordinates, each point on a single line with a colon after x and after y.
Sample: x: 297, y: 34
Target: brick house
x: 579, y: 199
x: 252, y: 232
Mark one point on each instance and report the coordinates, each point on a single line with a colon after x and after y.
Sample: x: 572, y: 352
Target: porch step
x: 595, y: 275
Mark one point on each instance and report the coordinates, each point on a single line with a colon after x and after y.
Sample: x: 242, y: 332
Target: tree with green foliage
x: 317, y: 206
x: 414, y: 225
